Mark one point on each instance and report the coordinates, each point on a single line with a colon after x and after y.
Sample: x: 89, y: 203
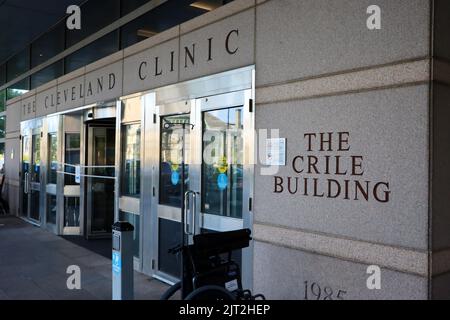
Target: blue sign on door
x: 175, y: 177
x: 222, y: 181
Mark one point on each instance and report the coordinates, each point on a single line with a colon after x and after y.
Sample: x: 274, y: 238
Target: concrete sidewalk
x: 33, y: 264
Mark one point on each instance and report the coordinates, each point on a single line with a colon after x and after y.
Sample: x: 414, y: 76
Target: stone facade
x: 364, y: 113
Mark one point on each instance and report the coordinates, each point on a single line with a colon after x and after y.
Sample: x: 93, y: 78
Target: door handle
x: 187, y: 203
x: 186, y: 208
x: 26, y: 187
x: 194, y: 212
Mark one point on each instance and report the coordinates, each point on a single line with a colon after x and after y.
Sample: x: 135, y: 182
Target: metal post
x: 122, y: 261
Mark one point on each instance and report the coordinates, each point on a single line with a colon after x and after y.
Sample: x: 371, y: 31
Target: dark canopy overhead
x: 21, y: 21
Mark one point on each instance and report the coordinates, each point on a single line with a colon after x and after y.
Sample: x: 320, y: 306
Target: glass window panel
x: 34, y: 205
x: 222, y: 167
x: 71, y: 156
x: 47, y: 74
x: 96, y: 50
x: 170, y: 160
x: 130, y: 5
x: 48, y: 45
x: 51, y: 208
x: 163, y: 17
x: 18, y: 64
x: 134, y: 219
x: 2, y: 74
x: 18, y: 89
x: 2, y: 100
x: 101, y: 200
x: 25, y: 168
x: 71, y: 211
x: 2, y: 157
x: 2, y: 127
x: 96, y: 14
x: 131, y: 161
x: 36, y: 168
x: 52, y: 157
x: 177, y: 6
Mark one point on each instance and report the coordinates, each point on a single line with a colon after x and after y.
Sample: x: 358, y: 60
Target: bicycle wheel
x: 171, y: 291
x: 211, y: 293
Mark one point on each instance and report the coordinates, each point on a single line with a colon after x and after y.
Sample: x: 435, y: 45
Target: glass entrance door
x: 69, y: 192
x: 31, y: 170
x: 100, y: 172
x: 128, y: 161
x: 223, y: 179
x: 51, y: 160
x: 35, y: 175
x: 169, y: 191
x: 218, y: 173
x: 222, y: 170
x: 52, y: 167
x: 25, y: 173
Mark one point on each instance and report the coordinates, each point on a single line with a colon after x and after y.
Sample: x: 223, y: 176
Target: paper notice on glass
x: 77, y: 174
x: 276, y: 152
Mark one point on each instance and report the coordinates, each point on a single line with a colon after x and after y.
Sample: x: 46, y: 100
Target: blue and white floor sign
x: 222, y: 181
x: 175, y: 177
x: 116, y: 262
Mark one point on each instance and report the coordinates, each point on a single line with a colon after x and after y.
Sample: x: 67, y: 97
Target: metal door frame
x: 25, y: 131
x: 50, y: 189
x: 85, y: 193
x: 69, y: 190
x: 216, y: 222
x: 153, y: 137
x: 211, y: 87
x: 220, y: 102
x: 128, y: 204
x: 28, y: 128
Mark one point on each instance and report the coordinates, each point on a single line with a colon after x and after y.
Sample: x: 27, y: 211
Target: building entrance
x: 217, y: 139
x: 100, y: 177
x: 31, y: 134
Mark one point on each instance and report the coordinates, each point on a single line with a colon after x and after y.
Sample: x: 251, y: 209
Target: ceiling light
x: 146, y: 33
x: 207, y: 5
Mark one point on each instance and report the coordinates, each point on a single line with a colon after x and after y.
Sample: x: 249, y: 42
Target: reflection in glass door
x: 129, y: 203
x: 35, y: 176
x: 222, y: 166
x: 31, y: 170
x: 170, y: 196
x: 100, y: 180
x: 71, y: 202
x: 223, y: 183
x: 25, y: 175
x: 218, y: 154
x: 170, y: 165
x: 51, y: 158
x: 130, y: 188
x: 52, y: 167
